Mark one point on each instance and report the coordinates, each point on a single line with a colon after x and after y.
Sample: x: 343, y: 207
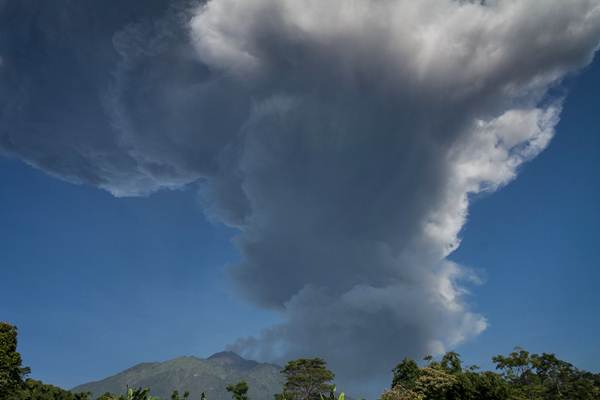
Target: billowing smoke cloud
x: 343, y: 139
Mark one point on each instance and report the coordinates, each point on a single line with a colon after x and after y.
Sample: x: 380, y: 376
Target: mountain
x: 196, y: 375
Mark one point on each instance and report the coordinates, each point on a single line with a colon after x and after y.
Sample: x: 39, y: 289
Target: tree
x: 36, y: 390
x: 11, y: 371
x: 535, y: 376
x: 445, y: 380
x: 434, y: 383
x: 238, y: 391
x: 451, y: 362
x: 475, y: 386
x: 399, y: 392
x: 405, y: 374
x: 175, y: 395
x: 307, y: 379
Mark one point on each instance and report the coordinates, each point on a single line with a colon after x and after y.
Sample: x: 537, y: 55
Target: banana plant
x: 342, y: 396
x: 139, y: 394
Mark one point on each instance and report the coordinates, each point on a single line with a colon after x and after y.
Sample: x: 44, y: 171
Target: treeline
x: 520, y: 376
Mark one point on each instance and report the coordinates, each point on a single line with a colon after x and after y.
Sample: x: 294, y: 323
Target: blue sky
x: 96, y: 284
x: 345, y: 171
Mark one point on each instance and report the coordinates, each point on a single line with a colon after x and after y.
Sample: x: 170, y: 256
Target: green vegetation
x: 175, y: 395
x: 239, y: 391
x: 11, y: 371
x: 520, y: 376
x: 306, y: 379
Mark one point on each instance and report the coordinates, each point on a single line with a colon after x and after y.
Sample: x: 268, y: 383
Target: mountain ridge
x: 189, y: 373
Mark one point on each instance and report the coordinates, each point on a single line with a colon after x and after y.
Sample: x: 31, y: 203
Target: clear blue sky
x: 96, y: 283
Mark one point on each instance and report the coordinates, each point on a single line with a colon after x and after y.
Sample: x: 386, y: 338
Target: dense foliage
x: 239, y: 391
x: 11, y: 371
x: 520, y: 376
x: 307, y: 379
x: 36, y: 390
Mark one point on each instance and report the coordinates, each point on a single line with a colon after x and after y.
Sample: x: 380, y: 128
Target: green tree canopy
x: 175, y: 395
x: 544, y: 376
x: 36, y: 390
x: 451, y: 362
x: 405, y: 374
x: 307, y: 379
x: 11, y: 371
x: 238, y: 391
x: 523, y: 376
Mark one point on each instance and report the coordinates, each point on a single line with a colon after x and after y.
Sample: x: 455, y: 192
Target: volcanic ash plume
x: 342, y: 138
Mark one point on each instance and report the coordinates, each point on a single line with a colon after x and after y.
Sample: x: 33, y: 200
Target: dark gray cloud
x: 342, y: 138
